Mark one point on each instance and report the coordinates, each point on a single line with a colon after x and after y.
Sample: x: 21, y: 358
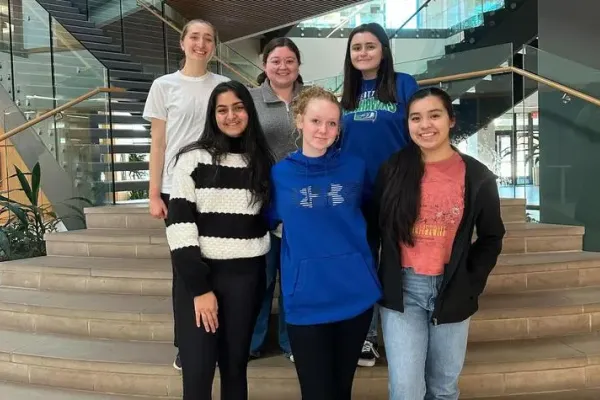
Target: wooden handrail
x: 519, y: 71
x: 176, y: 28
x: 556, y: 85
x: 465, y: 75
x: 55, y: 111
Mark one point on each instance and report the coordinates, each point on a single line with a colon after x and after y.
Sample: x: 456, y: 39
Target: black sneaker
x: 254, y: 355
x: 177, y: 363
x: 369, y: 354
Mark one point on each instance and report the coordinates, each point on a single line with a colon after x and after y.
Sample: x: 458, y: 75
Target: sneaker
x: 177, y: 363
x: 254, y: 355
x: 369, y: 354
x: 289, y: 356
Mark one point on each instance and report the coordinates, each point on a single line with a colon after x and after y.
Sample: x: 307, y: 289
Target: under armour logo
x: 334, y: 194
x: 307, y: 200
x: 334, y: 197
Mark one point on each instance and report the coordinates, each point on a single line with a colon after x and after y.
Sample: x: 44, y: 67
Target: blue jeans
x: 424, y: 360
x: 262, y: 323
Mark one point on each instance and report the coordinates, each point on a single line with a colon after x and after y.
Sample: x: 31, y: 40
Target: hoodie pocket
x: 334, y: 280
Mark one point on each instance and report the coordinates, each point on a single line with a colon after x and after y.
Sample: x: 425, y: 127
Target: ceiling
x: 236, y: 19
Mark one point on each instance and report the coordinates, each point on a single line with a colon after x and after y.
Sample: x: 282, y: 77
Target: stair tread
x: 153, y: 358
x: 583, y: 394
x: 30, y: 392
x: 111, y: 235
x: 138, y: 208
x: 111, y: 306
x: 550, y: 302
x: 520, y: 229
x: 534, y: 262
x: 94, y: 266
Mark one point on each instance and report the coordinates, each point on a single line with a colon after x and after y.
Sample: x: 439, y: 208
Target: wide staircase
x: 95, y: 315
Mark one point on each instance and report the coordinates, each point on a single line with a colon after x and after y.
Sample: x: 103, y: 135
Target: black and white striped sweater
x: 211, y: 217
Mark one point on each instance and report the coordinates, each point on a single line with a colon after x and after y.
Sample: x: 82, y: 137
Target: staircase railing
x: 157, y: 14
x: 58, y: 110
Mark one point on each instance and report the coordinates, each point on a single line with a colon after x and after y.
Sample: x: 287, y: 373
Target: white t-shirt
x: 181, y: 101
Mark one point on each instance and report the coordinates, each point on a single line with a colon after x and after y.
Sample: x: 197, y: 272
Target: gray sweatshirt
x: 276, y: 119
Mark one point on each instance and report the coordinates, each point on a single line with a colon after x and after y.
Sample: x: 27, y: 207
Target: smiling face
x: 198, y: 44
x: 282, y: 67
x: 231, y: 115
x: 366, y: 53
x: 429, y: 124
x: 320, y: 126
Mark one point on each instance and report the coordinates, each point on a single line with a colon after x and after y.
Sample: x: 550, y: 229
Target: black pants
x: 239, y: 286
x: 165, y: 198
x: 326, y: 356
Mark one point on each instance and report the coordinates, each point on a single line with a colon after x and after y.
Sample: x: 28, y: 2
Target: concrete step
x: 125, y: 243
x: 138, y: 368
x: 536, y: 238
x: 102, y: 316
x: 514, y: 273
x: 513, y: 210
x: 511, y: 213
x: 121, y: 216
x: 520, y: 238
x: 582, y: 394
x: 13, y: 391
x: 146, y: 277
x: 525, y: 315
x: 541, y: 271
x: 550, y: 313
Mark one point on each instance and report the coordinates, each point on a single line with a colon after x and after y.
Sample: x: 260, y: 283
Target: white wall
x: 324, y: 58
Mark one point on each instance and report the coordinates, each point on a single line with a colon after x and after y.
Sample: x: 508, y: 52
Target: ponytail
x: 401, y: 194
x: 261, y: 78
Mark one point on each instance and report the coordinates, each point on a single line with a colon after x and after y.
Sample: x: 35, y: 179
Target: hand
x: 206, y: 312
x: 158, y: 209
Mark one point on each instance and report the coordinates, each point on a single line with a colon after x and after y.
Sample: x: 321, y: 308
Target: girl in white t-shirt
x: 176, y: 107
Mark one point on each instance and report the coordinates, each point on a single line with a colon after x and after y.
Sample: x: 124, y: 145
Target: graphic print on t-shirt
x: 369, y: 106
x: 442, y: 203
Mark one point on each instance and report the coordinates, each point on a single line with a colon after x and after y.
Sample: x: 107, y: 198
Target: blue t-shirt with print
x: 376, y: 130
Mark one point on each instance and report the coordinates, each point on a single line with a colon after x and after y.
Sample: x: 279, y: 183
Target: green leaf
x: 36, y: 177
x: 18, y: 212
x: 25, y: 185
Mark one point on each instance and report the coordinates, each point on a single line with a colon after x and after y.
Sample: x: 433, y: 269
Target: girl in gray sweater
x: 279, y: 84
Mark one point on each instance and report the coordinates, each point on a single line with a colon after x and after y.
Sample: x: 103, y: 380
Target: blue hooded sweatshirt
x: 327, y: 269
x: 375, y: 130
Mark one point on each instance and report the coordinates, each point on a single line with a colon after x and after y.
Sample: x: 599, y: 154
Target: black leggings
x: 239, y: 286
x: 165, y: 198
x: 326, y: 356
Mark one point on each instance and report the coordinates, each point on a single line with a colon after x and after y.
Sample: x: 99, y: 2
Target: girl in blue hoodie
x: 374, y: 100
x: 329, y: 283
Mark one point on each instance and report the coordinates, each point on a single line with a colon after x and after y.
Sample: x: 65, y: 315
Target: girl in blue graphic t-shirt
x: 374, y: 100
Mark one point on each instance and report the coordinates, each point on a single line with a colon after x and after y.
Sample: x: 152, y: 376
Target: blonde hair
x: 301, y: 101
x: 186, y: 29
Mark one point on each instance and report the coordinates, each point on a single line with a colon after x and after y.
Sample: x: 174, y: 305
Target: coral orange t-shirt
x: 442, y: 205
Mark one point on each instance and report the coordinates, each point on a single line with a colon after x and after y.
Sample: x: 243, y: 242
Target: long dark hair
x: 272, y: 45
x: 257, y: 153
x: 385, y: 85
x: 401, y: 179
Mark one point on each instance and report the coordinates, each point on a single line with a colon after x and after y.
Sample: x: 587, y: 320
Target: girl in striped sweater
x: 218, y: 241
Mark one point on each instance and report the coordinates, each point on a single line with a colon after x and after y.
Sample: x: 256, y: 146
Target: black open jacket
x: 466, y: 274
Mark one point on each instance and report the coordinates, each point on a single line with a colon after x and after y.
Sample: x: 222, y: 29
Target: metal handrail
x: 57, y: 110
x: 176, y: 28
